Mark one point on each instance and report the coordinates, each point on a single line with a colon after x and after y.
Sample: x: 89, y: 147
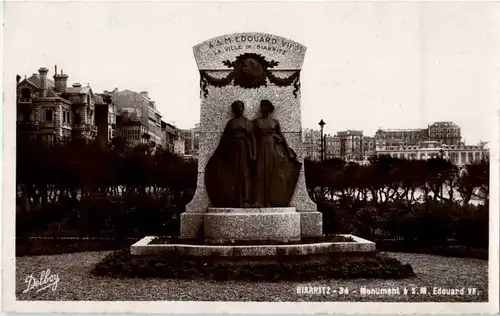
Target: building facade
x: 191, y: 141
x: 105, y: 118
x: 172, y: 136
x: 131, y: 127
x: 347, y: 145
x: 52, y: 111
x: 447, y: 133
x: 439, y: 138
x: 179, y: 147
x: 311, y: 142
x: 457, y: 154
x: 138, y: 116
x: 369, y: 148
x: 391, y: 138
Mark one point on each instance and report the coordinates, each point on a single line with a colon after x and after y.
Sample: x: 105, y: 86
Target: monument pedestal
x: 247, y: 224
x: 191, y: 225
x: 272, y: 73
x: 235, y: 224
x: 311, y: 223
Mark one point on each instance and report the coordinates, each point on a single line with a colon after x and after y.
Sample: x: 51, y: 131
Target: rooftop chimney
x: 76, y: 85
x: 43, y: 80
x: 61, y: 81
x: 144, y: 94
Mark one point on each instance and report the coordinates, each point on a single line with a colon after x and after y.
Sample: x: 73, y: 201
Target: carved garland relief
x: 250, y: 71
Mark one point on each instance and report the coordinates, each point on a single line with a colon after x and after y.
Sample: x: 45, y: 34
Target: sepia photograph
x: 237, y: 157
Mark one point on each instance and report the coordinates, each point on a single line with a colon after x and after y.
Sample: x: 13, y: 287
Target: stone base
x: 230, y: 224
x: 191, y: 225
x: 311, y: 224
x: 317, y: 251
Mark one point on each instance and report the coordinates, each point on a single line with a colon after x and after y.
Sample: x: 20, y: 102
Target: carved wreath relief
x: 250, y: 71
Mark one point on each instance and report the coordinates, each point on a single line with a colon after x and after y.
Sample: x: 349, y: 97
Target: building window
x: 48, y: 138
x: 26, y: 95
x: 49, y: 115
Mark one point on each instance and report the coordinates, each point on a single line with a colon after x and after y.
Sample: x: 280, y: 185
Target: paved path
x: 76, y: 283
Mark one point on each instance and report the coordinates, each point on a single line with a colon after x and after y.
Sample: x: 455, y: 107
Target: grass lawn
x: 76, y: 282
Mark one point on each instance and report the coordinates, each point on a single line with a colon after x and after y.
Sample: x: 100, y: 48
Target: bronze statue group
x: 253, y: 166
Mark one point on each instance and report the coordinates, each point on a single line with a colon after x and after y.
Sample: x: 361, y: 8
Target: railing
x: 86, y: 127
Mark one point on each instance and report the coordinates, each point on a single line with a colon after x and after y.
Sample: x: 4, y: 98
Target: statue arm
x: 283, y: 142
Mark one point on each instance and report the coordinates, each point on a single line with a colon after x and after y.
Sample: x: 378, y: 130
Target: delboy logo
x: 46, y: 281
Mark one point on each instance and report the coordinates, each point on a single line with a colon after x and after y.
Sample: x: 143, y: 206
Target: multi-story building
x: 329, y: 146
x: 387, y: 138
x: 447, y: 133
x: 457, y: 154
x: 50, y: 110
x: 164, y: 135
x: 154, y: 122
x: 348, y: 145
x: 334, y: 146
x: 179, y: 146
x: 311, y: 142
x: 131, y: 127
x: 368, y: 147
x: 105, y: 118
x: 191, y: 140
x: 140, y: 109
x: 172, y: 135
x: 439, y: 139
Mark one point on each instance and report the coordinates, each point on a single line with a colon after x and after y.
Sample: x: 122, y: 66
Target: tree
x: 474, y: 181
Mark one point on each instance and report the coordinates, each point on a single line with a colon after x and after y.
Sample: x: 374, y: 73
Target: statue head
x: 238, y: 107
x: 266, y: 107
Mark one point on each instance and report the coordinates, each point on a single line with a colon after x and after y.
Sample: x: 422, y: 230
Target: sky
x: 368, y: 65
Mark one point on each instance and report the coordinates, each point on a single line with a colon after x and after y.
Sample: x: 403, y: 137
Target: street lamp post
x: 321, y: 124
x: 324, y: 147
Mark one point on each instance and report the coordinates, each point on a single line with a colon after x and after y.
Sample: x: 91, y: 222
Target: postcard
x: 265, y: 157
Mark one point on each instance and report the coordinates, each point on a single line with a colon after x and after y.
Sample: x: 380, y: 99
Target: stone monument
x: 250, y: 121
